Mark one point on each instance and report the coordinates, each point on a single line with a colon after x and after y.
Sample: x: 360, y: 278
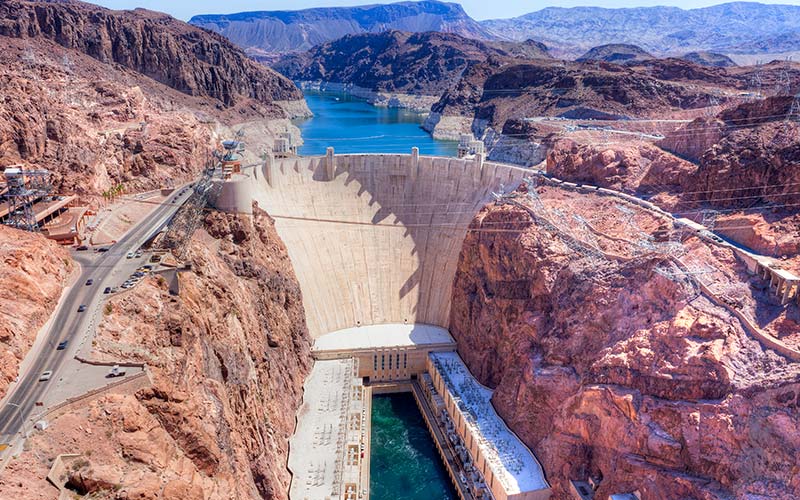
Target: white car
x: 129, y: 256
x: 46, y: 376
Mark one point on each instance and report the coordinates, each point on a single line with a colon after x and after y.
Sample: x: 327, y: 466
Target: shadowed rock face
x: 628, y: 378
x: 747, y: 155
x: 174, y: 53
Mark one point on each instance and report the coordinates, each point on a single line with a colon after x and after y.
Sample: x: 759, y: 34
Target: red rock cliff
x: 624, y: 376
x: 181, y: 56
x: 228, y: 357
x: 32, y: 276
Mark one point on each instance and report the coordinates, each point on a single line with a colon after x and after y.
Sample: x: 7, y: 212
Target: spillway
x: 374, y: 239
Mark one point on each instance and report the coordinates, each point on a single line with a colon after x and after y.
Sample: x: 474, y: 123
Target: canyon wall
x: 32, y: 278
x: 227, y: 356
x: 135, y: 99
x: 181, y: 56
x: 609, y: 370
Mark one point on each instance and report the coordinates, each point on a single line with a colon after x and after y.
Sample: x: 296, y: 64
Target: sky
x: 478, y: 9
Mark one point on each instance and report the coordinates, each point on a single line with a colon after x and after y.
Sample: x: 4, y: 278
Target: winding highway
x: 70, y: 325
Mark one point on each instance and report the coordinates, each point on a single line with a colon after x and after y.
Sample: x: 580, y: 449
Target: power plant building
x: 506, y: 466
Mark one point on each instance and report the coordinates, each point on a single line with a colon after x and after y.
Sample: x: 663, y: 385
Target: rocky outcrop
x: 171, y: 52
x: 619, y: 53
x: 747, y: 155
x: 32, y: 277
x: 227, y: 356
x: 705, y: 58
x: 394, y: 61
x: 631, y: 168
x: 623, y: 376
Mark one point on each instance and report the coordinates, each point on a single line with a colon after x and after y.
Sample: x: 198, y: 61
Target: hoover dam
x: 374, y: 239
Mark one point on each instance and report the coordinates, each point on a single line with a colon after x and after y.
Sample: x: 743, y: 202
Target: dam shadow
x: 375, y: 238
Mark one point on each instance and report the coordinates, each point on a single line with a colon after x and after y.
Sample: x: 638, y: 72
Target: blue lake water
x: 404, y: 463
x: 352, y: 125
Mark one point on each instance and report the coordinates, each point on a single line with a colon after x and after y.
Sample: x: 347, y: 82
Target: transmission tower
x: 755, y: 85
x: 713, y: 106
x: 783, y: 86
x: 23, y: 189
x: 794, y: 110
x: 710, y: 220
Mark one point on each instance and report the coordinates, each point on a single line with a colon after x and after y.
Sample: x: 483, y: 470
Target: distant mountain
x: 394, y: 61
x: 619, y: 53
x: 261, y: 33
x: 739, y: 28
x: 709, y: 59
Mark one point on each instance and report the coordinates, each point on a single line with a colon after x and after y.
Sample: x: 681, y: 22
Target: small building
x: 284, y: 146
x: 469, y: 147
x: 581, y: 490
x: 387, y: 352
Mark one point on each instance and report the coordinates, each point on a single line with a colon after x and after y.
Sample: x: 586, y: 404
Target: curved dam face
x: 373, y: 239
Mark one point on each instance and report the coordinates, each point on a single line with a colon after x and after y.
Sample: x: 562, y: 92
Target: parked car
x: 107, y: 290
x: 81, y: 308
x: 46, y: 376
x: 129, y: 256
x: 62, y: 345
x: 138, y: 274
x: 82, y: 248
x: 116, y: 371
x: 103, y: 249
x: 89, y: 282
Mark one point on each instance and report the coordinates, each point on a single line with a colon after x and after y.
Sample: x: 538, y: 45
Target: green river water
x: 404, y: 462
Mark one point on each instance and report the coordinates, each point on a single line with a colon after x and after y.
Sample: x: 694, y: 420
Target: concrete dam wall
x: 373, y: 239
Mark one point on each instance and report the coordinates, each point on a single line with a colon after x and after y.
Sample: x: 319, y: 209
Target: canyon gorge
x: 624, y: 344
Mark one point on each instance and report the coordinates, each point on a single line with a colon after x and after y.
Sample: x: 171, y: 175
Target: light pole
x: 22, y: 421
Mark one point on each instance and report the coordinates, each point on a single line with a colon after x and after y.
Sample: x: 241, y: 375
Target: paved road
x: 70, y: 325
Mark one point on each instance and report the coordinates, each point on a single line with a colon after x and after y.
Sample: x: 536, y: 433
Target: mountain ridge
x: 735, y: 27
x: 742, y: 28
x: 263, y: 32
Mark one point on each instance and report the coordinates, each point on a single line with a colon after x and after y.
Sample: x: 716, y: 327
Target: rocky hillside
x: 103, y: 98
x: 742, y: 162
x: 32, y: 277
x: 394, y: 61
x: 227, y: 355
x: 611, y: 371
x: 169, y: 51
x: 493, y: 95
x: 619, y: 53
x: 268, y: 32
x: 739, y: 27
